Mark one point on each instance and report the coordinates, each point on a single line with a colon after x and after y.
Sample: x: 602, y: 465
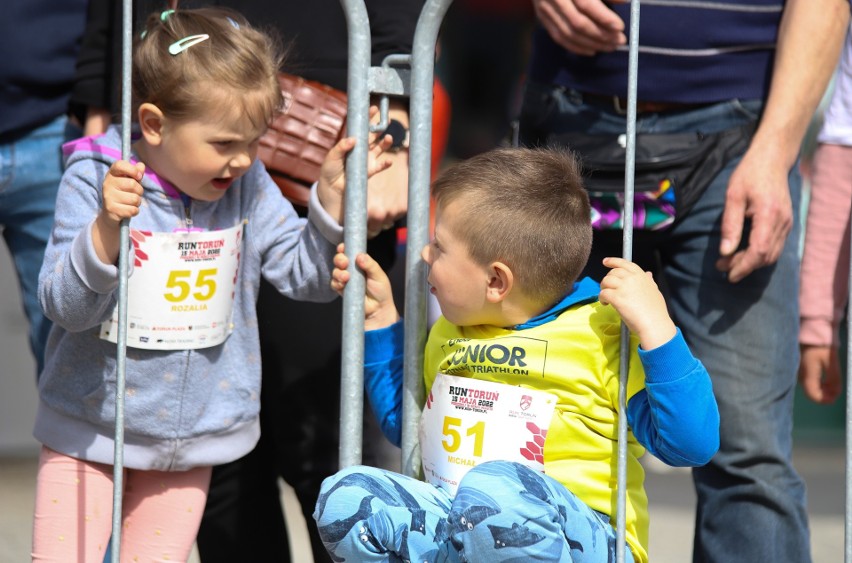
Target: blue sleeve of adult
x: 676, y: 416
x: 383, y: 352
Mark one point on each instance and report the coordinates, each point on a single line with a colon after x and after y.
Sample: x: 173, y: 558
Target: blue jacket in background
x: 39, y: 40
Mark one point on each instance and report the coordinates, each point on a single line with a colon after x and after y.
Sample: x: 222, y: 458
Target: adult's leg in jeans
x: 30, y: 171
x: 299, y: 402
x: 301, y: 347
x: 300, y: 399
x: 243, y: 519
x: 301, y: 396
x: 751, y: 501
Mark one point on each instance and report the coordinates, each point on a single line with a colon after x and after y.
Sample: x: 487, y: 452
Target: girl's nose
x: 241, y: 160
x: 426, y: 254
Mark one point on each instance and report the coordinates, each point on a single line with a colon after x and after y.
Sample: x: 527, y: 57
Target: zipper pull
x: 187, y: 205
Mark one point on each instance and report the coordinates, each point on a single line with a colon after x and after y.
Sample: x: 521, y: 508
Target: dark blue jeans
x: 30, y: 171
x: 751, y: 501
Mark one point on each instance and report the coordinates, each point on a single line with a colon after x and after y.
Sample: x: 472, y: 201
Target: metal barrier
x: 847, y: 524
x: 121, y: 358
x: 419, y: 179
x: 355, y: 233
x: 352, y: 394
x: 362, y: 81
x: 360, y: 78
x: 627, y: 253
x: 386, y: 83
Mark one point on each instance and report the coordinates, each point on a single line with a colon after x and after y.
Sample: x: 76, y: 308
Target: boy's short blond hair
x: 235, y: 68
x: 524, y: 207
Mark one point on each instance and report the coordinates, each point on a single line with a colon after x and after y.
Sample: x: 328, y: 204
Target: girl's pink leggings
x: 161, y: 511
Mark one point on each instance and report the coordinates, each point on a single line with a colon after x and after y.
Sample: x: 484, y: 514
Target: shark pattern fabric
x: 502, y: 512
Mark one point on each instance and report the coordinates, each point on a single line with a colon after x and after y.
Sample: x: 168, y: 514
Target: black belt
x: 619, y: 104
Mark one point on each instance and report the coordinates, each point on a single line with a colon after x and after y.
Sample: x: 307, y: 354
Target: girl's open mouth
x: 222, y: 183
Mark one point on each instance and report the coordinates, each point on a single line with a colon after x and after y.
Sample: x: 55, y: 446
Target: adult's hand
x: 387, y: 193
x: 387, y: 198
x: 758, y: 190
x: 819, y: 373
x: 584, y: 27
x: 808, y: 47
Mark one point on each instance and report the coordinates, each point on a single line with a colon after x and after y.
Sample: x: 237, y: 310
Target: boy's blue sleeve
x: 675, y: 417
x: 383, y: 352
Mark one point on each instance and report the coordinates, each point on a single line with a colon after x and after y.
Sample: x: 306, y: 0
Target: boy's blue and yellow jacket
x: 572, y: 350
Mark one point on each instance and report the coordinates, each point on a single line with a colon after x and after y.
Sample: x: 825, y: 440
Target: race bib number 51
x: 467, y: 421
x: 181, y: 293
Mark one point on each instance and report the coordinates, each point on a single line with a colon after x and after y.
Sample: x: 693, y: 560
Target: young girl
x: 207, y: 223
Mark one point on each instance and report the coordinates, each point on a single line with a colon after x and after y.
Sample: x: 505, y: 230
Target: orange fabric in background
x: 441, y: 115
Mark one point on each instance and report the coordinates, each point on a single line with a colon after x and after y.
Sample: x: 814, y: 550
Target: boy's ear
x: 500, y: 282
x: 151, y: 123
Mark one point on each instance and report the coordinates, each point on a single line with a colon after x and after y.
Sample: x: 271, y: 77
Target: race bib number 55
x: 181, y: 293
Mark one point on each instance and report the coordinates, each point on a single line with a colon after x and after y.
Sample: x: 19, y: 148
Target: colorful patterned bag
x: 671, y: 172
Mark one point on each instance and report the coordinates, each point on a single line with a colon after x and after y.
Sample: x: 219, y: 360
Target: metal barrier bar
x: 388, y: 80
x: 419, y: 177
x: 355, y: 234
x: 627, y: 253
x: 124, y: 237
x: 847, y: 523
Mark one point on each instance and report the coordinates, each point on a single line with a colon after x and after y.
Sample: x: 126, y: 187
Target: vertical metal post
x: 355, y: 234
x: 627, y: 253
x: 847, y: 523
x: 419, y: 177
x: 124, y: 237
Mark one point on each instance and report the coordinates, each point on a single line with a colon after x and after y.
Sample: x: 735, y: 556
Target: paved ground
x: 672, y: 502
x: 670, y: 491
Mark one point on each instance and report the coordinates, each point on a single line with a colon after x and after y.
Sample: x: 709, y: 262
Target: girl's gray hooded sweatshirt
x: 183, y: 408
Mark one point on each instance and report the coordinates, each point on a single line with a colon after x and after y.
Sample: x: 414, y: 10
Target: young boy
x: 519, y: 431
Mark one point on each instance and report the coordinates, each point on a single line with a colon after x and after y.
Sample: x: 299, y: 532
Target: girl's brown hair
x: 524, y: 207
x: 237, y: 62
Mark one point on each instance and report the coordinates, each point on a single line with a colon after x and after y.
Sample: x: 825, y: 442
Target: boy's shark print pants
x: 502, y: 511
